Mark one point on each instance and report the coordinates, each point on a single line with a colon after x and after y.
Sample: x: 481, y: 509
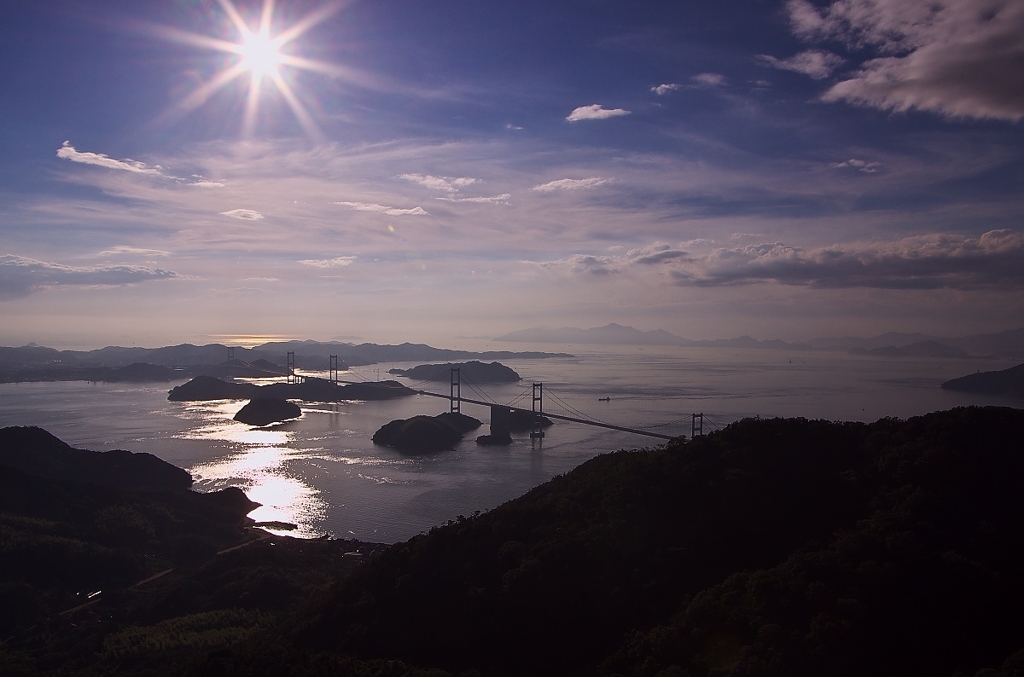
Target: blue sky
x: 434, y: 171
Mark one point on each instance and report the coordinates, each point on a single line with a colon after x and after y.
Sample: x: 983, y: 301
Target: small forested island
x: 425, y: 434
x: 773, y: 547
x: 474, y: 371
x: 266, y: 410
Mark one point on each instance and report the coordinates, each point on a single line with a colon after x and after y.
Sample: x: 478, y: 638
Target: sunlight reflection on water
x: 258, y: 463
x: 261, y: 471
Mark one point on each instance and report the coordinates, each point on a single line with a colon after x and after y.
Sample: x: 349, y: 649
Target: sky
x: 449, y: 171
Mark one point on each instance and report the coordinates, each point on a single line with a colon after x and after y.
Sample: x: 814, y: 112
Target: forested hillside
x: 773, y: 547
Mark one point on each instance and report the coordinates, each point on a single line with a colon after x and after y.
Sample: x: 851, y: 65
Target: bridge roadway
x: 660, y: 436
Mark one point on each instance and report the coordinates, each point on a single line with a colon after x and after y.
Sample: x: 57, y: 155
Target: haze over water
x: 322, y: 473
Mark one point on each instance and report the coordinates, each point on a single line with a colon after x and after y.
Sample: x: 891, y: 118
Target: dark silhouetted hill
x: 37, y: 452
x: 1009, y: 382
x: 781, y: 547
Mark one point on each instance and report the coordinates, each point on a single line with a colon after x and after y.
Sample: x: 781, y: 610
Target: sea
x: 322, y: 474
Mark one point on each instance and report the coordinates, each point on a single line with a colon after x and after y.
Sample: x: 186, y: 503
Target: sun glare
x: 259, y: 54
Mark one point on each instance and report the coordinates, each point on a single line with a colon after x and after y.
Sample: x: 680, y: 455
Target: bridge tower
x: 292, y: 378
x: 332, y: 374
x: 537, y: 432
x: 231, y: 353
x: 455, y: 397
x: 697, y: 425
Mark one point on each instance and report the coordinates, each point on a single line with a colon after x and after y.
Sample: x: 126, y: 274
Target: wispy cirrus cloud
x: 383, y: 209
x: 709, y: 80
x: 68, y: 152
x: 243, y: 214
x: 336, y: 262
x: 124, y: 250
x: 502, y: 199
x: 814, y: 63
x: 446, y: 184
x: 571, y: 184
x: 957, y: 58
x: 451, y: 186
x: 21, y: 276
x: 595, y: 112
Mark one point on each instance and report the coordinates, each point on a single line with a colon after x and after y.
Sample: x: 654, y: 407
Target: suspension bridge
x: 536, y: 392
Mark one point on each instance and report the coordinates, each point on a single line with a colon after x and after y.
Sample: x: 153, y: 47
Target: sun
x: 261, y: 53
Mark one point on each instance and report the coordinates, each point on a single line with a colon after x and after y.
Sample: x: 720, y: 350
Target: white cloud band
x: 21, y: 276
x: 595, y: 112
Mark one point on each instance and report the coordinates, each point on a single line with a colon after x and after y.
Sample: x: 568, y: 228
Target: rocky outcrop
x: 266, y: 410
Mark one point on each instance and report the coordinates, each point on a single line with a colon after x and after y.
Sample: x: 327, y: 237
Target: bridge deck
x: 584, y: 421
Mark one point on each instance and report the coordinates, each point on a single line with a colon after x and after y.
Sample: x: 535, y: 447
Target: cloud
x: 68, y: 152
x: 338, y: 262
x: 709, y: 80
x: 133, y: 251
x: 860, y: 165
x: 995, y: 260
x: 570, y: 184
x: 814, y: 63
x: 390, y: 211
x: 957, y: 58
x: 584, y: 264
x: 447, y: 184
x: 244, y: 214
x: 502, y: 199
x: 595, y: 112
x: 656, y: 254
x: 21, y: 276
x: 662, y: 90
x: 200, y: 182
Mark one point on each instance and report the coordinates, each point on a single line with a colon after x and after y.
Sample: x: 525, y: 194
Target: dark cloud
x: 993, y: 261
x: 20, y: 276
x: 958, y: 58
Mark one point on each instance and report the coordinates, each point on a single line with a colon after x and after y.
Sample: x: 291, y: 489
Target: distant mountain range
x: 1007, y: 343
x: 115, y: 363
x: 38, y: 363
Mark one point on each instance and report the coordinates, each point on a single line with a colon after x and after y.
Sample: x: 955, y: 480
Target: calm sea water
x: 322, y: 473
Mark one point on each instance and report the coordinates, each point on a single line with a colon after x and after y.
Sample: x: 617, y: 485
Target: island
x: 206, y: 388
x: 475, y: 371
x: 266, y: 410
x: 425, y: 434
